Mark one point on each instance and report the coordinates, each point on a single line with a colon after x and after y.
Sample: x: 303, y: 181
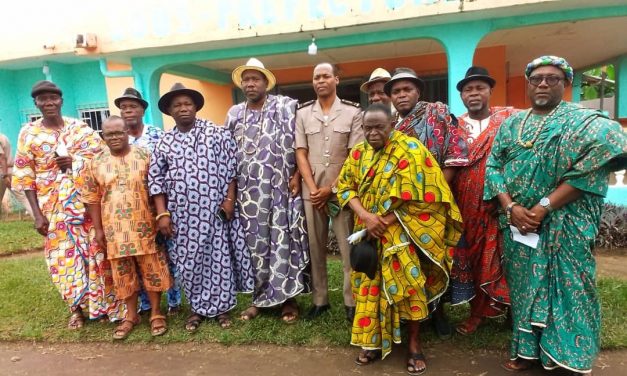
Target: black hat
x: 476, y: 73
x: 45, y: 87
x: 406, y: 74
x: 364, y: 258
x: 176, y: 90
x: 130, y: 93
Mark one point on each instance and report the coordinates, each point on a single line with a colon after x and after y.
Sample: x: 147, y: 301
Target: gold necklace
x: 529, y: 144
x: 255, y: 143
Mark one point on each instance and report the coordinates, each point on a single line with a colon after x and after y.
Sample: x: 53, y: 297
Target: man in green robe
x: 549, y: 170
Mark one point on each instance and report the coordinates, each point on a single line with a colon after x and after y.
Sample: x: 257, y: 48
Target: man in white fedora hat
x: 268, y: 191
x: 374, y: 87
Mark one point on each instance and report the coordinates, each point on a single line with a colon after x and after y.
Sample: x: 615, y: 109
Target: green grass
x: 16, y: 236
x: 32, y: 310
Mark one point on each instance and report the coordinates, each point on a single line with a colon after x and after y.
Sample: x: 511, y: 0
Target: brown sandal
x: 370, y: 356
x: 469, y: 326
x: 158, y: 325
x: 77, y: 321
x: 412, y: 368
x: 517, y: 365
x: 125, y: 328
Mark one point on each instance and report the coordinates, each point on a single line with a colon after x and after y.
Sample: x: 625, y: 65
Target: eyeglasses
x: 550, y: 80
x: 111, y: 135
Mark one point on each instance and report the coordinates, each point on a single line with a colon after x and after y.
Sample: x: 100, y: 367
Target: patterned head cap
x: 555, y: 61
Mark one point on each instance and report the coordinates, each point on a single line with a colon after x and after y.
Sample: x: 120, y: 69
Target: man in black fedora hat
x: 51, y: 156
x: 437, y: 129
x: 192, y: 178
x: 132, y: 107
x: 477, y: 275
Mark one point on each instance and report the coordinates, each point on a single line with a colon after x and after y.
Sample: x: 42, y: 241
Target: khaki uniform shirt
x: 327, y: 140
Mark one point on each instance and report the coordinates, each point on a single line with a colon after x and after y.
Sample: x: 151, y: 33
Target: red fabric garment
x: 477, y: 273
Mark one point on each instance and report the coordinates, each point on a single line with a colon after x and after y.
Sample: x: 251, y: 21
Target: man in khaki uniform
x: 326, y: 130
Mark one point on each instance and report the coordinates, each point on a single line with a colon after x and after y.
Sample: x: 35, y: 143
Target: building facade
x: 96, y: 49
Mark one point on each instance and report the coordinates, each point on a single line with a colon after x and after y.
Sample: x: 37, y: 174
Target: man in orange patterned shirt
x: 116, y: 192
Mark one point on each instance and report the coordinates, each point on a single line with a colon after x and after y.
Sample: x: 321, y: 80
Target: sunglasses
x: 550, y: 80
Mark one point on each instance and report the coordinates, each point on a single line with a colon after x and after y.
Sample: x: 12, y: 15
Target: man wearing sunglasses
x: 549, y: 169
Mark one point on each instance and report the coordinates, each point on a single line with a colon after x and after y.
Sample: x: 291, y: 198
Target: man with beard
x: 268, y: 191
x: 477, y: 274
x: 549, y: 169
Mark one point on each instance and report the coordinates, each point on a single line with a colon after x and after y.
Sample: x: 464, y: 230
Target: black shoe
x: 316, y: 311
x: 350, y: 313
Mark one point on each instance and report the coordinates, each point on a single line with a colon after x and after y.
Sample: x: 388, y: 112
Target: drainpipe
x: 126, y: 73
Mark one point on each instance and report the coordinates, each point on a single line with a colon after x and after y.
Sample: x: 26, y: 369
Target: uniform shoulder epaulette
x: 309, y: 103
x: 350, y: 103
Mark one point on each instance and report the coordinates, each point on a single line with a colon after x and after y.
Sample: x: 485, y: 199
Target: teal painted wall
x: 9, y: 117
x: 82, y: 85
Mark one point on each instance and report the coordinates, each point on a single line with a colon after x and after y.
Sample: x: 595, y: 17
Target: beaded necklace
x: 255, y: 143
x: 529, y: 144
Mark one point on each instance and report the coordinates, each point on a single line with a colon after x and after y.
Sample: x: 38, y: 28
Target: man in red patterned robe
x: 477, y: 274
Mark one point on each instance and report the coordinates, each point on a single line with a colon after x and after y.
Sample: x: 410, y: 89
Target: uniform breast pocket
x: 313, y: 128
x: 341, y: 134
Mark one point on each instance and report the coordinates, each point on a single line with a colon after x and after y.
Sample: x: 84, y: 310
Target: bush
x: 613, y: 227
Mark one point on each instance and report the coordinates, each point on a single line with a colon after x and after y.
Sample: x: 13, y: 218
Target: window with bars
x: 94, y: 117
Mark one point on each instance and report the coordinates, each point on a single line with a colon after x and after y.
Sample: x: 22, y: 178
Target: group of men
x: 246, y: 207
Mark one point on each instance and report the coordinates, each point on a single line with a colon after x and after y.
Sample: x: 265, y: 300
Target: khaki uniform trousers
x: 318, y: 230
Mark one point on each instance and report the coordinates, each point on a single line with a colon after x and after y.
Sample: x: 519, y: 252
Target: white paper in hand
x: 530, y: 240
x: 62, y: 150
x: 356, y: 237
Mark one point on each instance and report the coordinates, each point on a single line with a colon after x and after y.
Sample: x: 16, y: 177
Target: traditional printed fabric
x: 78, y: 267
x: 555, y: 61
x: 120, y: 186
x: 152, y: 269
x: 415, y: 253
x: 437, y: 129
x: 477, y: 272
x: 193, y: 169
x: 555, y: 307
x: 273, y: 221
x: 149, y: 139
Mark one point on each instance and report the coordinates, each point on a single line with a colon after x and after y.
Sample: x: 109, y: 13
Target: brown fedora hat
x: 176, y: 90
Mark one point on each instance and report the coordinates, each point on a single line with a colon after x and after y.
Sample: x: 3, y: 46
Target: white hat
x: 253, y: 64
x: 377, y: 75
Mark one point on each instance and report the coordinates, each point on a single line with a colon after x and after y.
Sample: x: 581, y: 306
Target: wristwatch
x: 546, y: 203
x: 334, y: 189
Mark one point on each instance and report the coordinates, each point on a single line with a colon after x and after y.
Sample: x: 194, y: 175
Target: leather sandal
x: 77, y: 321
x: 370, y: 356
x: 125, y: 328
x: 412, y: 370
x: 158, y: 325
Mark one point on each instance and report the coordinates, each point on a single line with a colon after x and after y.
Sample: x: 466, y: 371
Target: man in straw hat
x: 132, y: 107
x: 326, y: 130
x: 192, y: 178
x: 374, y: 87
x: 477, y: 274
x: 549, y: 169
x: 268, y: 191
x: 437, y: 129
x: 51, y: 155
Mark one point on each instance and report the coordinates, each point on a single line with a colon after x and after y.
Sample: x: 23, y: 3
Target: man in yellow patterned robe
x: 399, y: 195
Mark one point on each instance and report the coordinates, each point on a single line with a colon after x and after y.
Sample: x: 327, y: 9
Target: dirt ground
x: 213, y: 359
x: 193, y: 359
